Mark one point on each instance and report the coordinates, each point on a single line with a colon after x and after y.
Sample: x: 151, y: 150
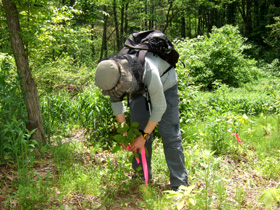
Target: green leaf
x: 131, y: 157
x: 134, y: 125
x: 119, y: 138
x: 170, y: 193
x: 124, y: 128
x: 192, y: 201
x: 181, y: 205
x: 270, y: 197
x: 137, y: 132
x: 116, y: 149
x: 136, y: 155
x: 130, y: 135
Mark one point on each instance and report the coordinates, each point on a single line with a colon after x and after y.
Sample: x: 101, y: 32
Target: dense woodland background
x: 57, y: 129
x: 86, y: 29
x: 74, y: 35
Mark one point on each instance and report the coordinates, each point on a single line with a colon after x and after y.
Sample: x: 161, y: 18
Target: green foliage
x: 34, y: 193
x: 15, y: 143
x: 74, y: 177
x: 62, y: 74
x: 89, y: 109
x: 273, y: 68
x: 183, y: 197
x: 219, y: 57
x: 273, y: 38
x: 218, y: 134
x: 251, y: 99
x: 270, y: 197
x: 270, y: 166
x: 206, y: 172
x: 126, y: 135
x: 53, y: 33
x: 131, y: 133
x: 61, y: 42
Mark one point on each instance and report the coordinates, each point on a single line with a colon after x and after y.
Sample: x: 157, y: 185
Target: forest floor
x: 243, y: 184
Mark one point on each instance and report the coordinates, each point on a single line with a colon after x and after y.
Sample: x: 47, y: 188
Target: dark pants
x: 169, y: 130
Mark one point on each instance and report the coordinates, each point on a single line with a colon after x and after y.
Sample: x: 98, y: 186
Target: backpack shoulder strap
x: 124, y: 50
x: 141, y: 56
x: 167, y: 70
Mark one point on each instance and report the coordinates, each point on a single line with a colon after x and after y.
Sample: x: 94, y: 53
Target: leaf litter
x: 240, y: 176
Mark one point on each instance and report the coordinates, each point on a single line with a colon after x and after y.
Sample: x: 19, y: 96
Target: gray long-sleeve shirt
x: 154, y: 67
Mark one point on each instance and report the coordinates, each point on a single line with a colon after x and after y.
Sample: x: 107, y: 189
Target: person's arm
x: 121, y: 118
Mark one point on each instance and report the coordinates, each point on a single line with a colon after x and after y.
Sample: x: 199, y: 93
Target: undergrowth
x: 76, y: 169
x: 230, y: 138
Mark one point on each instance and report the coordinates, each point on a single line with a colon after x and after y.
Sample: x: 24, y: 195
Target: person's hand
x: 138, y: 143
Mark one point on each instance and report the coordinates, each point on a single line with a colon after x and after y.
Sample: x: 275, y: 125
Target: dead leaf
x: 2, y: 198
x: 11, y: 177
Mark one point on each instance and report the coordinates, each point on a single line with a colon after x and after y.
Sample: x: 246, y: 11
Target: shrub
x: 218, y: 56
x: 274, y: 67
x: 63, y: 73
x: 273, y: 38
x: 15, y: 143
x: 89, y: 109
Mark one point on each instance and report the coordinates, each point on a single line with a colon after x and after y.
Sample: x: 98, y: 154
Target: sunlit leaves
x: 218, y: 57
x: 51, y: 32
x: 270, y: 197
x: 184, y: 197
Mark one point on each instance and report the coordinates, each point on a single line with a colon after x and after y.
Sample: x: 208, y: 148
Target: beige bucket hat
x: 113, y: 77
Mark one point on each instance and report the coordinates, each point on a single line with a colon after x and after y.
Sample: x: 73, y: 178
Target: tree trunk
x: 126, y: 18
x: 146, y: 15
x: 116, y: 25
x: 122, y: 22
x: 199, y: 25
x: 28, y: 85
x: 189, y: 23
x: 248, y: 23
x: 104, y: 38
x: 92, y: 39
x: 72, y: 3
x: 183, y: 26
x: 231, y: 13
x: 151, y: 15
x: 245, y: 11
x: 168, y: 19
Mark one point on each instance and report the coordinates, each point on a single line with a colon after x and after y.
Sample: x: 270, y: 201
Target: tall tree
x: 126, y: 17
x: 168, y: 18
x: 231, y: 12
x: 245, y: 9
x: 122, y: 20
x: 183, y: 27
x: 28, y: 85
x: 116, y: 25
x: 72, y: 2
x: 104, y: 37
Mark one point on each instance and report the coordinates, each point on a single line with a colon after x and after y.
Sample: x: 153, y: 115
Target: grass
x: 76, y: 170
x: 73, y: 174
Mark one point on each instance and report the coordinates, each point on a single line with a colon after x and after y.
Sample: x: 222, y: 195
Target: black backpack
x: 153, y: 41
